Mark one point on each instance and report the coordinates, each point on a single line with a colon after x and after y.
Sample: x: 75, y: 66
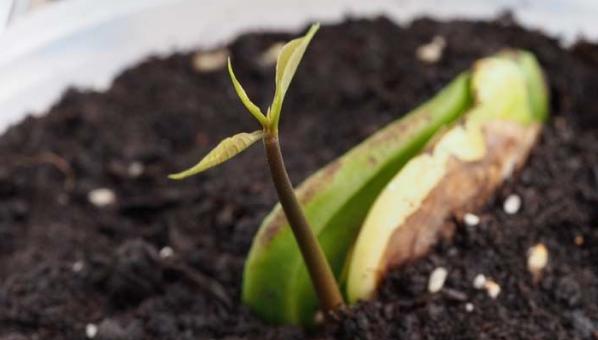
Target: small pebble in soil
x: 134, y: 273
x: 469, y: 307
x: 14, y: 336
x: 512, y: 204
x: 537, y: 259
x: 270, y: 55
x: 62, y: 199
x: 319, y: 318
x: 455, y: 295
x: 110, y: 329
x: 579, y: 240
x: 91, y: 330
x: 431, y: 52
x: 101, y: 197
x: 583, y: 325
x: 135, y: 169
x: 166, y: 252
x: 492, y: 288
x: 569, y: 291
x: 210, y: 60
x: 471, y: 220
x: 77, y: 266
x: 479, y: 281
x: 437, y: 279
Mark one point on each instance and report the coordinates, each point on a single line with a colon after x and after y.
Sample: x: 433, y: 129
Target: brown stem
x: 319, y: 270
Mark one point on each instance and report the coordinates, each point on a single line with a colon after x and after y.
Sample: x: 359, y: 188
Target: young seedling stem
x: 321, y: 274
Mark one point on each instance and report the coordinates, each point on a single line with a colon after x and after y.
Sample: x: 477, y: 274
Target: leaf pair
x: 288, y: 60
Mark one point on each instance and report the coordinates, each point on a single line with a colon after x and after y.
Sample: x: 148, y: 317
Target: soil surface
x: 155, y: 259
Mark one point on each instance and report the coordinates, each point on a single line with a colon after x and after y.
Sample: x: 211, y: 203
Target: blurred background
x: 49, y: 45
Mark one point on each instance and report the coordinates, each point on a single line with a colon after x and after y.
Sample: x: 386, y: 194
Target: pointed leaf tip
x: 251, y: 107
x: 288, y: 60
x: 225, y: 150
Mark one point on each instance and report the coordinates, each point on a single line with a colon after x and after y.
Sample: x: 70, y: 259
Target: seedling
x: 337, y: 198
x: 290, y: 56
x: 308, y: 242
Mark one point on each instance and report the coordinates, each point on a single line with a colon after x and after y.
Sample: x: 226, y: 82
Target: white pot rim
x: 86, y: 43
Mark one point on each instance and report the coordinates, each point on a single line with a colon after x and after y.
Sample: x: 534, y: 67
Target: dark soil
x: 65, y: 263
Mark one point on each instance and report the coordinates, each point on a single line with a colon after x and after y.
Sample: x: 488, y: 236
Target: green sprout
x: 343, y: 226
x: 338, y: 198
x: 319, y: 269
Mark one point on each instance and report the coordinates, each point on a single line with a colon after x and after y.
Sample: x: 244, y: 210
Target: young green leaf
x: 251, y: 107
x: 225, y: 150
x: 286, y: 65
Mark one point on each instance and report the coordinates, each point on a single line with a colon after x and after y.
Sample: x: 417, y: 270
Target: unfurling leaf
x: 288, y: 60
x: 225, y: 150
x: 251, y: 107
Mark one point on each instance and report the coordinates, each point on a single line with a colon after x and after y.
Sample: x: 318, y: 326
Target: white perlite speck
x: 512, y: 204
x: 211, y: 60
x: 77, y: 266
x: 471, y: 220
x: 537, y: 258
x: 270, y: 55
x: 479, y: 281
x: 135, y: 169
x: 166, y: 252
x: 431, y: 52
x: 101, y: 197
x: 91, y: 330
x: 469, y: 307
x: 437, y: 279
x: 492, y: 288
